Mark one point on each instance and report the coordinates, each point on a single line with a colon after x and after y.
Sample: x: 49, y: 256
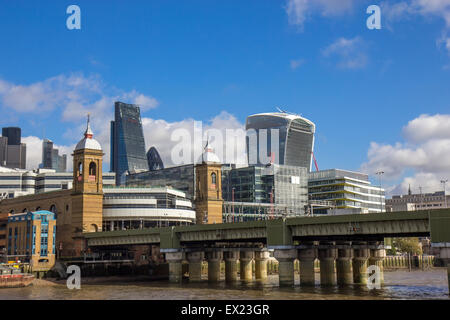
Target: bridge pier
x: 448, y: 277
x: 327, y: 257
x: 245, y: 263
x: 195, y: 265
x: 307, y: 257
x: 231, y: 258
x: 286, y: 259
x: 214, y: 259
x: 175, y: 260
x: 360, y: 258
x: 376, y: 259
x: 261, y: 258
x: 344, y: 273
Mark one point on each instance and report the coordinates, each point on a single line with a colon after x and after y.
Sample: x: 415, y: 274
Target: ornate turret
x: 87, y: 201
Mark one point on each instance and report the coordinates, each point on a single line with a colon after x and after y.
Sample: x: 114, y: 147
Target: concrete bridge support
x: 448, y: 277
x: 231, y: 258
x: 307, y: 258
x: 195, y: 265
x: 261, y: 258
x: 360, y: 257
x: 214, y: 259
x: 245, y: 262
x: 327, y: 257
x: 344, y: 273
x: 286, y: 259
x: 175, y: 267
x: 376, y: 258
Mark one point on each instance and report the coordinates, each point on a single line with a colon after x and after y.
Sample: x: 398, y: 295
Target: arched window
x: 53, y: 209
x: 92, y: 171
x: 80, y: 171
x: 213, y: 178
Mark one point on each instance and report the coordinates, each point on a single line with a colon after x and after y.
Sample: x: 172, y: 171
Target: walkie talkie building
x: 127, y: 141
x: 293, y: 134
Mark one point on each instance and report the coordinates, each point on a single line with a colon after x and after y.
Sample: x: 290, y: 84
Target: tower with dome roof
x: 208, y: 198
x: 87, y: 196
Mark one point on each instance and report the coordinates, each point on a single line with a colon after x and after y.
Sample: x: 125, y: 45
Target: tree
x: 408, y: 245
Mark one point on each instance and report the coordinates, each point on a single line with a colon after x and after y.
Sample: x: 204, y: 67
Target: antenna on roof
x: 287, y: 112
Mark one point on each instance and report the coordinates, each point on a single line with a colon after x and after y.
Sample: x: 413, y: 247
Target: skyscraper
x: 154, y: 160
x: 292, y: 136
x: 127, y: 141
x: 51, y: 158
x: 13, y: 153
x: 13, y: 134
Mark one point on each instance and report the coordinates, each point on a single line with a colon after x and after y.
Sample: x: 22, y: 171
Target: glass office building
x: 127, y: 141
x: 345, y: 190
x: 295, y: 139
x: 180, y: 177
x: 51, y: 158
x: 13, y: 153
x: 283, y: 186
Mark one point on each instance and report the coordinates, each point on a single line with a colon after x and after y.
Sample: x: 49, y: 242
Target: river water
x: 430, y: 284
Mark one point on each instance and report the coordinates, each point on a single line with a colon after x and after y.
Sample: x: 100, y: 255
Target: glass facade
x: 295, y: 139
x: 346, y: 190
x: 181, y: 178
x: 283, y: 186
x: 127, y: 141
x: 51, y: 158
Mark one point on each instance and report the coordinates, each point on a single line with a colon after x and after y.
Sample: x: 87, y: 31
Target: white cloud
x: 297, y: 63
x: 34, y: 152
x: 349, y: 53
x: 427, y: 8
x: 73, y: 96
x: 298, y: 11
x: 158, y: 133
x: 425, y: 153
x: 427, y: 127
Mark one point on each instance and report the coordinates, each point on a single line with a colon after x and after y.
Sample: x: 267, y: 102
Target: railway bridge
x: 345, y: 245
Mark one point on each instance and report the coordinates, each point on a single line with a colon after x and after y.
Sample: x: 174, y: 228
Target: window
x: 92, y: 169
x: 213, y: 178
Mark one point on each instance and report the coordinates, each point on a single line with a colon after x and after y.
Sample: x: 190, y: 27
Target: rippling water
x: 398, y: 285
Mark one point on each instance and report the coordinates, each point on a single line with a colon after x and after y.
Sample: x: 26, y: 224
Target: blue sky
x: 220, y: 61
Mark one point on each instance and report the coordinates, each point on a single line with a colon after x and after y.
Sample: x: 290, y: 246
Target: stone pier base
x: 195, y: 265
x: 245, y: 262
x: 261, y: 258
x: 286, y: 259
x: 231, y: 258
x: 175, y: 266
x: 307, y: 258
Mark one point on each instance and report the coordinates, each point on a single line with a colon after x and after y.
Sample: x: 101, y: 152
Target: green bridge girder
x: 283, y: 232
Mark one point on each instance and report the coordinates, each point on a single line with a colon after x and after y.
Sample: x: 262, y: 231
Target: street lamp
x: 380, y: 173
x: 444, y: 181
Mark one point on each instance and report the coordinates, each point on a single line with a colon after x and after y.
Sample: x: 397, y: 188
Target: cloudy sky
x: 380, y: 98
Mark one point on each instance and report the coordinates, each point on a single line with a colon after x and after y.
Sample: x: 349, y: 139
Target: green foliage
x: 406, y: 245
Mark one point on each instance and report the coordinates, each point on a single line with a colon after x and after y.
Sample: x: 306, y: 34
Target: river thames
x: 431, y: 284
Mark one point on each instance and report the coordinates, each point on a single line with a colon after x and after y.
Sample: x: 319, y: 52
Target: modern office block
x: 127, y: 141
x: 346, y: 190
x: 293, y: 134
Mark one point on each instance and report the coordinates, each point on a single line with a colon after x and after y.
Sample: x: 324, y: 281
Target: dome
x: 209, y: 157
x: 88, y: 142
